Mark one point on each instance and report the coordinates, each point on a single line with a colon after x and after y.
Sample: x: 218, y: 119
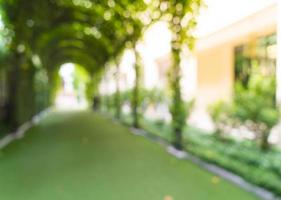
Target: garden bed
x: 242, y: 158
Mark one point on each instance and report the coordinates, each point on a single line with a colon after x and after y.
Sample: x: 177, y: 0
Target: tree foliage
x: 181, y: 16
x: 87, y: 32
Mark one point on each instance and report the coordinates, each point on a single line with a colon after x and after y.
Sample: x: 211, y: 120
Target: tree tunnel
x: 96, y: 54
x: 61, y: 32
x: 44, y: 34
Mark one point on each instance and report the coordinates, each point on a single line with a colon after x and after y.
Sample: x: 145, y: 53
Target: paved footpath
x: 83, y: 156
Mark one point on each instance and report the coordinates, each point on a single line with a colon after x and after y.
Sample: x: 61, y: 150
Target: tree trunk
x: 264, y: 144
x: 21, y: 104
x: 178, y: 140
x: 13, y: 83
x: 136, y: 95
x: 117, y: 94
x: 177, y: 107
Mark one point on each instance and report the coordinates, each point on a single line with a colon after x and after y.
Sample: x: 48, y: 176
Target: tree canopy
x: 41, y: 35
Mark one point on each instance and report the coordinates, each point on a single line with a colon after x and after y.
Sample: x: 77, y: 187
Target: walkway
x: 82, y: 156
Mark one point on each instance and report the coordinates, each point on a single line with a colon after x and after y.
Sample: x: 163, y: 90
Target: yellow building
x: 217, y: 53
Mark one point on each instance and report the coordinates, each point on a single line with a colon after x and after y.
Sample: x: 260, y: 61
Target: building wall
x: 215, y: 54
x: 215, y: 74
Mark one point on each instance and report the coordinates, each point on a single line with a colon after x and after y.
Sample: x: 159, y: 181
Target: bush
x: 256, y: 105
x: 221, y: 114
x: 253, y: 106
x: 242, y: 158
x: 249, y: 162
x: 146, y: 97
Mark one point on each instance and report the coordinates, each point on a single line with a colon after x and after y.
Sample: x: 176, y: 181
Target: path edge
x: 20, y: 132
x: 235, y: 179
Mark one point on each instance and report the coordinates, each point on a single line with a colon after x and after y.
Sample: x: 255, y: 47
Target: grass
x: 80, y: 155
x: 243, y: 158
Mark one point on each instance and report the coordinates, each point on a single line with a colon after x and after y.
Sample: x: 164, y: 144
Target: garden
x: 69, y: 149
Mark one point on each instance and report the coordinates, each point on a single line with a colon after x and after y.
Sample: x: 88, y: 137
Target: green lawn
x: 81, y: 156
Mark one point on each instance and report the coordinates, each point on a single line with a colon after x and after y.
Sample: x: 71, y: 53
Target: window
x: 258, y: 56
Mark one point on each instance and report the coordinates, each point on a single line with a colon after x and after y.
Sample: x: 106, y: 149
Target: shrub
x: 242, y: 158
x: 256, y: 106
x: 221, y: 114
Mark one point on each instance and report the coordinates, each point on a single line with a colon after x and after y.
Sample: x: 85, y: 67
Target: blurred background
x: 205, y: 76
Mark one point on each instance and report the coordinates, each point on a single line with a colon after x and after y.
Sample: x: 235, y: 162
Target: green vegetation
x: 135, y: 102
x: 43, y: 35
x: 257, y: 105
x: 181, y: 29
x: 253, y: 106
x: 254, y: 103
x: 221, y: 115
x: 76, y: 155
x: 38, y: 36
x: 242, y: 158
